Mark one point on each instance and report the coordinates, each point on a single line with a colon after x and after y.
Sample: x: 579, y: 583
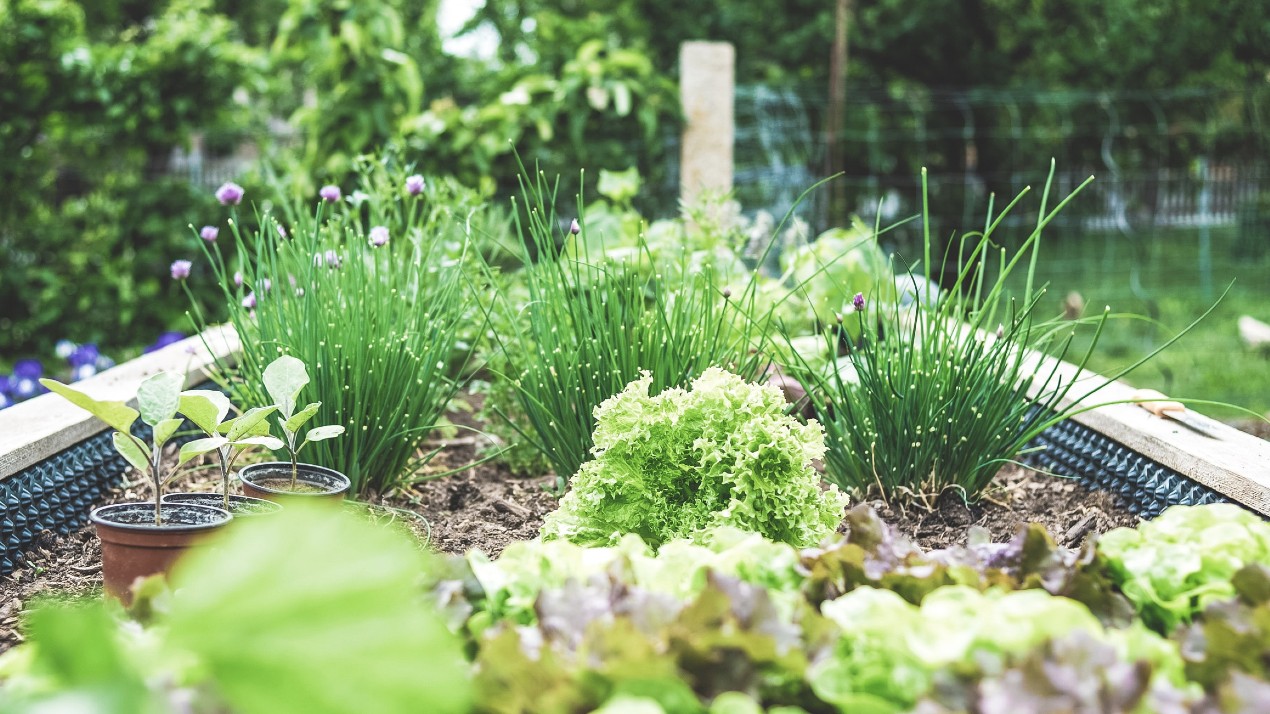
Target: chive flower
x: 332, y: 259
x: 858, y: 302
x: 229, y: 193
x: 574, y: 227
x: 379, y: 236
x: 249, y: 302
x: 414, y: 185
x: 209, y: 233
x: 330, y: 193
x: 181, y: 269
x: 238, y: 278
x: 265, y: 285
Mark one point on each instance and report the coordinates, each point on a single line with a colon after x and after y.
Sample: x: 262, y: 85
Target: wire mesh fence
x: 1179, y: 209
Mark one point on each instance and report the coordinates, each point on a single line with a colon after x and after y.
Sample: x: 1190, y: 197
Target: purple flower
x: 330, y: 193
x: 249, y: 302
x: 229, y: 193
x: 83, y: 371
x: 282, y: 232
x: 238, y: 278
x: 5, y: 386
x: 332, y: 259
x: 858, y: 302
x: 84, y: 355
x: 25, y: 388
x: 104, y: 363
x: 5, y: 401
x: 266, y: 285
x: 379, y: 236
x: 28, y: 369
x: 64, y: 348
x: 574, y: 228
x: 209, y: 233
x: 181, y: 269
x: 164, y: 340
x: 414, y: 185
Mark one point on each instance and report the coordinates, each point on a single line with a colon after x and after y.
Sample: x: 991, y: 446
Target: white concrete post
x: 706, y: 88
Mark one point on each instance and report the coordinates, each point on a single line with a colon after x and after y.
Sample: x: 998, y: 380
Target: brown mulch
x: 1018, y: 496
x: 486, y: 507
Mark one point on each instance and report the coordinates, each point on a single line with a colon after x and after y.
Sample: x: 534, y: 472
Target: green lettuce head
x: 681, y: 462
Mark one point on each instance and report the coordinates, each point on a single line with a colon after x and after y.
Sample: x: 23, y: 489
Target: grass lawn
x: 1160, y: 276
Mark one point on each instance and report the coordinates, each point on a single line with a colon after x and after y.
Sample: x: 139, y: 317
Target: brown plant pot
x: 132, y: 546
x: 271, y: 481
x: 239, y: 506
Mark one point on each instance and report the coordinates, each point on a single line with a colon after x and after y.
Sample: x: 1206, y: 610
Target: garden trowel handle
x: 1157, y: 403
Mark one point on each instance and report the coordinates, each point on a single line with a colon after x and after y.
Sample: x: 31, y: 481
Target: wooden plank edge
x: 38, y: 428
x: 1222, y: 458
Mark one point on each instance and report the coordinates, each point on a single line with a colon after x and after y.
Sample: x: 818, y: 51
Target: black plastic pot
x: 132, y: 546
x: 239, y: 506
x: 271, y: 481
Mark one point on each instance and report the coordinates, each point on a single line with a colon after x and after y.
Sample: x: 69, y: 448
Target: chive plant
x: 370, y: 292
x: 935, y: 395
x: 587, y: 326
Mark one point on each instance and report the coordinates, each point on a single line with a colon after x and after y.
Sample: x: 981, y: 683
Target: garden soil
x: 486, y: 507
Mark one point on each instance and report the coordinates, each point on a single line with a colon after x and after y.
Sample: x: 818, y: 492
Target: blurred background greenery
x: 119, y: 117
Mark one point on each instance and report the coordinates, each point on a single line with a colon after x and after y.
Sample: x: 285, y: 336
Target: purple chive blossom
x: 229, y: 194
x: 330, y: 193
x: 858, y: 302
x: 414, y: 185
x: 209, y: 233
x: 181, y: 269
x: 249, y: 302
x: 379, y: 236
x: 332, y: 259
x: 238, y: 278
x: 84, y: 355
x: 266, y: 285
x: 282, y: 232
x: 574, y: 227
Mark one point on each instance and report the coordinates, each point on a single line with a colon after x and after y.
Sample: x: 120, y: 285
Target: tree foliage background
x: 96, y: 94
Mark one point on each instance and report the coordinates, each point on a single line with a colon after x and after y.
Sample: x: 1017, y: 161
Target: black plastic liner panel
x: 58, y: 493
x: 1144, y: 486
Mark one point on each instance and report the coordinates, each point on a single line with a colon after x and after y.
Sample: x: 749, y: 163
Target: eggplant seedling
x: 283, y: 380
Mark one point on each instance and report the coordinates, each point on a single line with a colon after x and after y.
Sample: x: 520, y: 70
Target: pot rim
x: 245, y: 474
x: 100, y: 516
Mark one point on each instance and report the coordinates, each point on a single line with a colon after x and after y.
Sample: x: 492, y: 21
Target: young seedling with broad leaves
x: 283, y: 379
x: 157, y: 398
x: 208, y: 410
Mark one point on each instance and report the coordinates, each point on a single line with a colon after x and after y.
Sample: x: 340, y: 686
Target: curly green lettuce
x: 676, y: 464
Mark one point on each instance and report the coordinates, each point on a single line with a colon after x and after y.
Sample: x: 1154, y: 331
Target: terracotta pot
x: 132, y: 546
x: 239, y: 506
x: 271, y: 480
